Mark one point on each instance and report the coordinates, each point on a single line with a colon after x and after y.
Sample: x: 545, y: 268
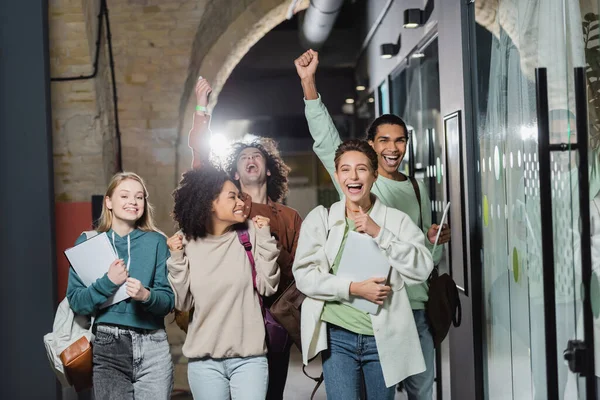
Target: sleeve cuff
x: 313, y: 104
x: 176, y: 255
x: 344, y: 289
x: 106, y: 285
x: 383, y: 238
x: 150, y: 298
x: 264, y: 232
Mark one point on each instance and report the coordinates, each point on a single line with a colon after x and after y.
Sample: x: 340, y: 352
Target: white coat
x: 402, y: 242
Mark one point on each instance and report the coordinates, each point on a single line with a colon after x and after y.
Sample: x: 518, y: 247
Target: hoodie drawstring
x: 128, y: 249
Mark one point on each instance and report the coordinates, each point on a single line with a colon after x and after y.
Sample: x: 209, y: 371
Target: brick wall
x: 160, y: 47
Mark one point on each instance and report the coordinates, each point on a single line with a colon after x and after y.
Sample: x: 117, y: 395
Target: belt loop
x: 116, y: 332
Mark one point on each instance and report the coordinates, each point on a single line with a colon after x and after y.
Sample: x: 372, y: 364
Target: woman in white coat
x: 384, y: 348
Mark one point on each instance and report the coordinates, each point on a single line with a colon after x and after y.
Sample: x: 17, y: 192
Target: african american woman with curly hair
x: 262, y: 177
x: 210, y: 270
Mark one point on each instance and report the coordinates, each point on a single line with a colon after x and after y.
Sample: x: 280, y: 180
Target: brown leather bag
x: 286, y: 311
x: 183, y: 318
x: 77, y: 362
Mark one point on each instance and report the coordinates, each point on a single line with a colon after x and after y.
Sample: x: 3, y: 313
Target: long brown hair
x: 146, y: 221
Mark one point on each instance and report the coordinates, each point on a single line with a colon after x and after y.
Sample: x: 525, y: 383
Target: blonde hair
x: 146, y: 221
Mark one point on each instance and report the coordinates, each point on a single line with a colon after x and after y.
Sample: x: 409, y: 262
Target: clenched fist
x: 117, y: 272
x: 306, y: 64
x: 136, y: 290
x: 175, y: 242
x: 260, y: 221
x: 203, y: 90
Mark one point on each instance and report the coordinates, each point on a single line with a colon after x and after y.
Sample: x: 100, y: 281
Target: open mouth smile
x: 391, y: 160
x: 354, y: 188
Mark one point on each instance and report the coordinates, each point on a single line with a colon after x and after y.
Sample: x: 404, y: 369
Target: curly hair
x: 277, y: 182
x: 362, y: 146
x: 193, y: 200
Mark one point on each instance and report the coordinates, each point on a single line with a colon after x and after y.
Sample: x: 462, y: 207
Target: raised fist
x: 203, y: 90
x: 306, y: 64
x: 175, y: 242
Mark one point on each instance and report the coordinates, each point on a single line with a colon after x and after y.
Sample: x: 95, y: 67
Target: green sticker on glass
x: 486, y: 211
x: 439, y: 170
x: 595, y: 295
x: 515, y: 257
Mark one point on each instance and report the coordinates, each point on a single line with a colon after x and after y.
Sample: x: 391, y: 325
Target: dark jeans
x: 278, y: 371
x: 350, y: 362
x: 420, y: 386
x: 130, y: 365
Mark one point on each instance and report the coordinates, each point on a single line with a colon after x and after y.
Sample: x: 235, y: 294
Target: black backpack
x: 443, y: 307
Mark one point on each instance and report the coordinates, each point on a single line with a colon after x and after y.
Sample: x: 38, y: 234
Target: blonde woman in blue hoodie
x: 130, y: 352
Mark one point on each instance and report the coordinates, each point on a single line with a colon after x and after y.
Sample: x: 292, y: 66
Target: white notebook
x: 362, y: 259
x: 91, y: 260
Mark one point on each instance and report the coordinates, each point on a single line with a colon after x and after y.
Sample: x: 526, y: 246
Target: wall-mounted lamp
x: 389, y: 50
x: 349, y: 101
x: 360, y: 88
x: 371, y: 100
x: 413, y: 18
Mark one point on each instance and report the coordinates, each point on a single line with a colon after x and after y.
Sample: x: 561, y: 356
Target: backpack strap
x: 415, y: 186
x: 319, y: 380
x: 90, y: 234
x: 244, y: 238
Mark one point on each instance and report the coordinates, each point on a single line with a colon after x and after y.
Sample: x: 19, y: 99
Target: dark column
x: 27, y: 284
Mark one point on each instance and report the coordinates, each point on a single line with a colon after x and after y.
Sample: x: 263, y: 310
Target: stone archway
x: 215, y: 53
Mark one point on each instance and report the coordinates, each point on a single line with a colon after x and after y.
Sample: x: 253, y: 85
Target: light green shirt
x: 395, y: 194
x: 344, y: 315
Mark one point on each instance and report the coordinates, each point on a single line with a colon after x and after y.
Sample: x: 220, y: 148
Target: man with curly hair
x: 262, y: 177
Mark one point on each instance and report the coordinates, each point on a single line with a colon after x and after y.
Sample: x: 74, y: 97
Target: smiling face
x: 228, y: 207
x: 251, y: 167
x: 355, y: 175
x: 127, y: 201
x: 390, y: 145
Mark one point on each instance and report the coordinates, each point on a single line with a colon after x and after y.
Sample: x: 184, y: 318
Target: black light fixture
x: 413, y: 18
x: 389, y: 50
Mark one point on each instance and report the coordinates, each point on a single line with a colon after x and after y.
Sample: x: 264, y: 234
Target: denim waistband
x: 122, y: 330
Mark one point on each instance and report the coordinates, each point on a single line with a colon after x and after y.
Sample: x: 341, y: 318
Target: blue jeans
x: 420, y: 386
x: 348, y: 359
x: 229, y: 378
x: 131, y: 365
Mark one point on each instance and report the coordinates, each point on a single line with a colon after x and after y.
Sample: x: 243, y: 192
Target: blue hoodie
x: 147, y: 255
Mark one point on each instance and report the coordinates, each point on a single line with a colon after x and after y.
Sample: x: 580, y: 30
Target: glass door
x: 529, y: 202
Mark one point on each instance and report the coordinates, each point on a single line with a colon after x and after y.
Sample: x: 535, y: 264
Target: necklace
x: 357, y: 211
